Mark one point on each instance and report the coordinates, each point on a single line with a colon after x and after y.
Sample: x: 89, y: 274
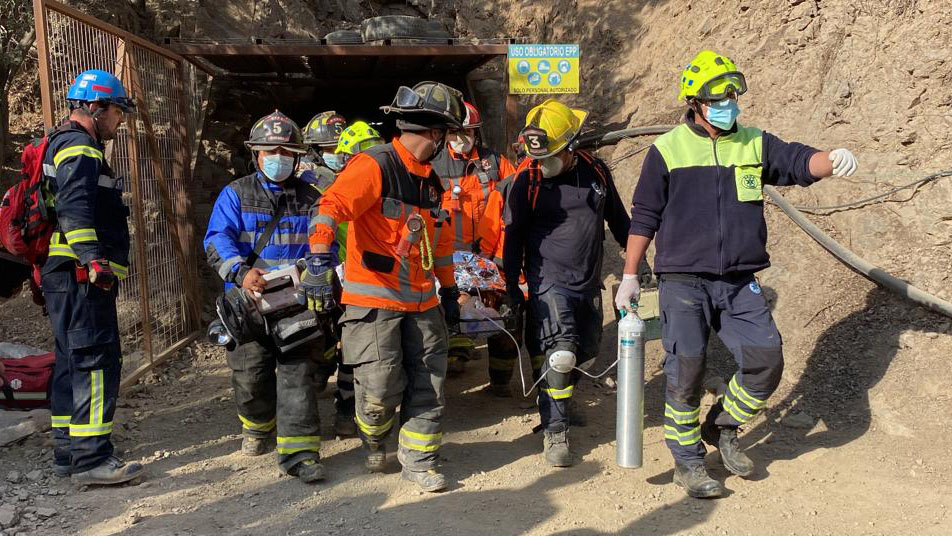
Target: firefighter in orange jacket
x: 398, y: 243
x: 469, y: 173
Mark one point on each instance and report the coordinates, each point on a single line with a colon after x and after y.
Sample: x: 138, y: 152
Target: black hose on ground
x: 615, y: 136
x: 851, y: 260
x: 856, y: 263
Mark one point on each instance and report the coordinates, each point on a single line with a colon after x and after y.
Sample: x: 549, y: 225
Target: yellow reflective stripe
x: 682, y: 417
x: 558, y: 394
x: 735, y: 410
x: 330, y: 353
x: 61, y: 421
x: 90, y: 430
x: 79, y: 150
x: 461, y: 342
x: 374, y: 429
x: 496, y: 363
x: 690, y: 437
x: 121, y: 271
x: 96, y: 400
x: 744, y: 396
x: 293, y: 444
x: 62, y: 250
x: 420, y: 442
x: 81, y: 235
x: 257, y: 427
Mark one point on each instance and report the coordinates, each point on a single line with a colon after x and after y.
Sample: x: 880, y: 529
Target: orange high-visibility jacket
x: 378, y: 191
x: 491, y: 229
x: 476, y: 175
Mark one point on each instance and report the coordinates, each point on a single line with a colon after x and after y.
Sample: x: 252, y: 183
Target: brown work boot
x: 111, y: 471
x: 308, y: 471
x: 430, y: 480
x: 499, y: 390
x: 556, y: 450
x: 376, y: 460
x: 255, y: 446
x: 696, y: 482
x: 344, y: 425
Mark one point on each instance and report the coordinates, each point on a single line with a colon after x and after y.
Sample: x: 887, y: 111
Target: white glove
x: 844, y: 163
x: 628, y: 292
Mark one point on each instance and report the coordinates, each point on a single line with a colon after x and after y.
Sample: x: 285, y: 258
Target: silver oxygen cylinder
x: 629, y: 425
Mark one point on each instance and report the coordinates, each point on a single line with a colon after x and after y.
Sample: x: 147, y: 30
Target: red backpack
x: 26, y: 219
x: 27, y: 381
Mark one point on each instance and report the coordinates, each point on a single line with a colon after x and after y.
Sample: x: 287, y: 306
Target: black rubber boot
x: 696, y: 482
x: 308, y: 471
x: 430, y: 480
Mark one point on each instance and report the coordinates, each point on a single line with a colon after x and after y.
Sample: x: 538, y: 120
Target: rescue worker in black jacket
x: 558, y: 207
x: 89, y: 252
x: 701, y: 191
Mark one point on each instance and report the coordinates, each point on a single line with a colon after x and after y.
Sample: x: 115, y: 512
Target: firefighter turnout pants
x: 399, y: 359
x: 333, y: 362
x: 562, y: 319
x: 735, y: 308
x: 275, y: 390
x: 87, y: 372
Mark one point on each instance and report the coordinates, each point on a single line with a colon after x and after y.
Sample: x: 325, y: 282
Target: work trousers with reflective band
x: 562, y: 319
x: 461, y: 347
x: 279, y: 390
x: 87, y: 372
x: 333, y: 362
x: 399, y: 359
x: 735, y: 308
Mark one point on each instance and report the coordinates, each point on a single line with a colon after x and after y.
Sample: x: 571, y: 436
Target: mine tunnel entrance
x: 304, y: 78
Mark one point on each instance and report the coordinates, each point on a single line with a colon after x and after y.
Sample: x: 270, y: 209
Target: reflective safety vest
x: 91, y: 219
x: 378, y: 192
x: 468, y: 182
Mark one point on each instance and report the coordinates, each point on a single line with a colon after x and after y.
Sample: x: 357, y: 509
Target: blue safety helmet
x: 99, y: 86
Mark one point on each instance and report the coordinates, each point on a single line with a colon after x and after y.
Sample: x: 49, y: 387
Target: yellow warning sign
x: 543, y: 69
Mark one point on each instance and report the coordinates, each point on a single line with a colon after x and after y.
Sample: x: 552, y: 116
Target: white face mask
x: 278, y: 167
x: 551, y: 166
x: 462, y: 144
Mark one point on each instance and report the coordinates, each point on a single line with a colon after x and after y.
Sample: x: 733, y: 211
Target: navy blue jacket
x: 704, y: 199
x: 558, y: 241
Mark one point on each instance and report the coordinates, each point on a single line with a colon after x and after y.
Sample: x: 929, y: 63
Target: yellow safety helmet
x: 711, y: 77
x: 550, y: 127
x: 357, y: 138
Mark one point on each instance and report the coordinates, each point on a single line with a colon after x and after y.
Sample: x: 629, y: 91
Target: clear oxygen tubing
x: 630, y: 413
x: 522, y: 374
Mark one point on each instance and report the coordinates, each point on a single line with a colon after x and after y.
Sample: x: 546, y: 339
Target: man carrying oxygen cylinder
x: 558, y: 207
x: 701, y: 191
x: 273, y: 390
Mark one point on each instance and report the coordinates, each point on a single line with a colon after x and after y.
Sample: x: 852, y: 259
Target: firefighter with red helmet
x: 469, y: 173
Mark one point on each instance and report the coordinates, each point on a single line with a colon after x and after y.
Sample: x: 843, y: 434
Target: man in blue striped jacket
x: 274, y: 391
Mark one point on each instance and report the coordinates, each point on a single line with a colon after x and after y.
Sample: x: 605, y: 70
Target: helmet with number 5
x: 276, y: 130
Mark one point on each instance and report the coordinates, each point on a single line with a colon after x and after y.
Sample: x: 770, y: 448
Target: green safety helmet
x: 711, y: 77
x: 358, y: 138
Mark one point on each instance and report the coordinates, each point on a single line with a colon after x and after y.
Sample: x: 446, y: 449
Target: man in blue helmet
x: 89, y: 253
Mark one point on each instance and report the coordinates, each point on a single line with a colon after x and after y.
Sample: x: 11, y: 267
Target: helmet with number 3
x: 550, y: 128
x: 276, y: 130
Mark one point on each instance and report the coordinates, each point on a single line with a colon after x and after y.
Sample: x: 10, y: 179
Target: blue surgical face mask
x: 723, y: 114
x: 278, y: 167
x: 333, y: 161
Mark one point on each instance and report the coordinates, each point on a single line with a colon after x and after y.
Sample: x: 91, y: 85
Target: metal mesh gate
x: 159, y: 303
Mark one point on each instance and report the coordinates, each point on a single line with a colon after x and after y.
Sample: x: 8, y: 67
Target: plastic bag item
x: 476, y: 318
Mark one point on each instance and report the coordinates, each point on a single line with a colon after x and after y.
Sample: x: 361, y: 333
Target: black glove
x: 319, y: 283
x: 449, y: 300
x: 517, y: 300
